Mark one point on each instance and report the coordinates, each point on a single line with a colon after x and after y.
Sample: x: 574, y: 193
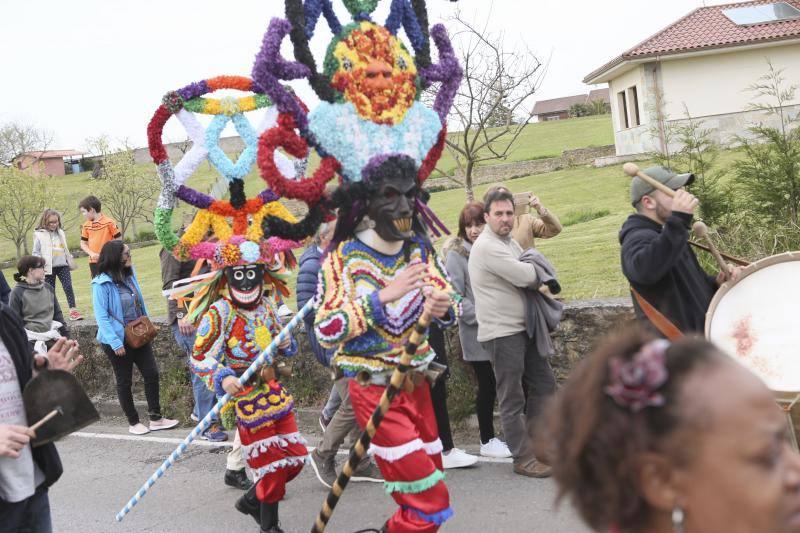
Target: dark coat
x: 661, y: 266
x: 13, y: 334
x: 307, y: 280
x: 5, y: 290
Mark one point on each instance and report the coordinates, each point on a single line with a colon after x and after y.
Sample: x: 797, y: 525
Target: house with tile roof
x: 558, y: 108
x: 702, y: 63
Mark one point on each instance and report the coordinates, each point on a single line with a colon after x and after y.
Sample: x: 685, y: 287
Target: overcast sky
x: 82, y: 68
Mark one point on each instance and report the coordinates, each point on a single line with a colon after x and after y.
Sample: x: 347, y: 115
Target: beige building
x: 703, y: 64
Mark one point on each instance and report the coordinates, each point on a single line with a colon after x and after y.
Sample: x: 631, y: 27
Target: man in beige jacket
x: 528, y: 227
x: 499, y: 280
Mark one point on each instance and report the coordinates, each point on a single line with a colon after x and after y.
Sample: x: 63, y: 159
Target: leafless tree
x: 493, y: 104
x: 17, y: 139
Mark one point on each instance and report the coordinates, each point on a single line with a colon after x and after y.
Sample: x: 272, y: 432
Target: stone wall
x: 519, y: 169
x: 583, y: 324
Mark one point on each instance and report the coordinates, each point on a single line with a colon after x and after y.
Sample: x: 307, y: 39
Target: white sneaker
x: 164, y: 423
x: 284, y: 311
x: 138, y: 429
x: 458, y: 458
x: 194, y: 417
x: 495, y: 448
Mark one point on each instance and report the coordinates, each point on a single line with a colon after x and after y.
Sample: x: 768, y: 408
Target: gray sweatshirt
x: 38, y: 307
x: 498, y: 280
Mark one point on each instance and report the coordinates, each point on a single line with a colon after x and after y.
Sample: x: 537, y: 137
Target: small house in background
x: 556, y: 108
x: 703, y: 64
x: 51, y: 162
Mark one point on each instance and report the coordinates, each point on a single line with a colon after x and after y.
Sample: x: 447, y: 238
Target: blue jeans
x: 31, y: 515
x: 204, y: 398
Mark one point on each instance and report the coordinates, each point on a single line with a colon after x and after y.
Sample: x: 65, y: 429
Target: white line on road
x: 176, y: 441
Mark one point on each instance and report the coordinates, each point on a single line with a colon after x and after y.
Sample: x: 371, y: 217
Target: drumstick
x: 701, y: 230
x: 45, y: 418
x: 632, y: 170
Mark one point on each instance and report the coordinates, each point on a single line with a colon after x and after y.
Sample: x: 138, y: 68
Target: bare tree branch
x: 493, y: 104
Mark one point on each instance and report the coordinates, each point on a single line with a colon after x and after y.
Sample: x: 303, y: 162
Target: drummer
x: 669, y: 288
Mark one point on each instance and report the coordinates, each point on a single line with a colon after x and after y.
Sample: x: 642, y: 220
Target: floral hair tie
x: 634, y: 384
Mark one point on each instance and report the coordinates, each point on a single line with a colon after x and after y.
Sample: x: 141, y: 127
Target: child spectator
x: 50, y: 243
x: 36, y: 304
x: 96, y: 231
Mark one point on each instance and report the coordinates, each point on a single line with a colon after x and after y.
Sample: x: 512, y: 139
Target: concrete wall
x: 716, y: 84
x: 712, y: 87
x: 584, y: 323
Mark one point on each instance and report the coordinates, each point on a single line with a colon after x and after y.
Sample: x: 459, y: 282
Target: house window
x: 633, y: 99
x: 622, y: 105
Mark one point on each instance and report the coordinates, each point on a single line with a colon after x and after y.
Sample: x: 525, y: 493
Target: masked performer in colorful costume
x: 234, y: 304
x: 381, y: 271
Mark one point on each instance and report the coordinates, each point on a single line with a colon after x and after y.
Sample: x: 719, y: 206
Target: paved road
x: 104, y: 466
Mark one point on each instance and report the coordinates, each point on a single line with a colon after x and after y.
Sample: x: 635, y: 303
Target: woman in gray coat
x: 456, y: 252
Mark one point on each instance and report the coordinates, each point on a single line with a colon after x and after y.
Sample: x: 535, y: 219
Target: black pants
x: 123, y: 372
x: 484, y: 398
x: 439, y: 391
x: 65, y: 277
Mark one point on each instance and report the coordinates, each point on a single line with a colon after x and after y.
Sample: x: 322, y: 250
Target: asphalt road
x: 104, y: 466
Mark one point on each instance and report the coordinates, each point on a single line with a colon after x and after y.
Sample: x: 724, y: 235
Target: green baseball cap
x: 663, y: 175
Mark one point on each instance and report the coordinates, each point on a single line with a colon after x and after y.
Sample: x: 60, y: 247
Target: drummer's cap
x: 664, y: 175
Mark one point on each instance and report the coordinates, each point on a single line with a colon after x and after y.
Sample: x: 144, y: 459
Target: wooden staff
x: 701, y: 230
x: 632, y: 170
x: 362, y: 445
x: 45, y: 418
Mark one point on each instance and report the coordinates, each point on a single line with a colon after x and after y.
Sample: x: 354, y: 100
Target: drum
x: 756, y: 320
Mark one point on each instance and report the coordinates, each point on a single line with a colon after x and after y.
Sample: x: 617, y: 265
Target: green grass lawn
x: 549, y: 139
x: 585, y: 254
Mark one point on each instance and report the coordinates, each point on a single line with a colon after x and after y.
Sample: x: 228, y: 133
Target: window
x: 762, y: 14
x: 633, y: 100
x: 622, y: 106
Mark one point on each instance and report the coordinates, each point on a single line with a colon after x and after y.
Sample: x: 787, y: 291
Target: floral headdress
x: 235, y: 224
x: 356, y: 120
x: 634, y: 384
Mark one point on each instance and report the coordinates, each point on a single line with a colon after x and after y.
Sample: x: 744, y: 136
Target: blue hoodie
x: 108, y: 310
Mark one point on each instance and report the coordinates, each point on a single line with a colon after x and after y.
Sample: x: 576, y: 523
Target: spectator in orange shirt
x: 96, y: 231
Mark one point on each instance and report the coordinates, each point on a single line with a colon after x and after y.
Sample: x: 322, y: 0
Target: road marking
x: 209, y: 444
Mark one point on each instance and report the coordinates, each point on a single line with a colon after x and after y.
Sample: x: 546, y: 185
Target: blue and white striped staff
x: 206, y: 421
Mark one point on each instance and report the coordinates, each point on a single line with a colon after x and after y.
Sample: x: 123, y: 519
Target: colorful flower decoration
x: 369, y: 92
x: 235, y: 224
x: 635, y: 384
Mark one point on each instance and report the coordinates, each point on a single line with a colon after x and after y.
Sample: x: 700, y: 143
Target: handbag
x: 139, y: 331
x: 71, y: 262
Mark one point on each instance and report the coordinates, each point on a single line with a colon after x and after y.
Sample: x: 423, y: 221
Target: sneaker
x: 495, y: 448
x: 74, y: 314
x: 214, y: 433
x: 163, y: 423
x: 323, y: 422
x: 194, y: 417
x: 324, y: 469
x: 284, y: 311
x: 458, y: 458
x: 237, y: 479
x: 138, y: 429
x: 367, y: 471
x: 532, y: 468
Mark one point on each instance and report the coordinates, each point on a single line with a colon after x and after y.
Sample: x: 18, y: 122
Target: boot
x: 269, y: 518
x: 248, y: 504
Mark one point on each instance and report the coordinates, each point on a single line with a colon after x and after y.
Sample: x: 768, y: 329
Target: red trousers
x: 275, y: 455
x: 409, y: 454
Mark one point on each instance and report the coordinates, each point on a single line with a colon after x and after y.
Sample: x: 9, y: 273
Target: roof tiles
x: 707, y: 28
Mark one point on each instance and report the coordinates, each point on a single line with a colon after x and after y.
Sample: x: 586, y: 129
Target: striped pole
x: 362, y: 445
x: 206, y: 421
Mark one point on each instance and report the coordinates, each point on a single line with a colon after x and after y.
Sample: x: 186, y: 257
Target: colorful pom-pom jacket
x: 369, y: 336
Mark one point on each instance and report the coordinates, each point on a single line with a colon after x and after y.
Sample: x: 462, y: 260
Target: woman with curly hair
x: 649, y: 436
